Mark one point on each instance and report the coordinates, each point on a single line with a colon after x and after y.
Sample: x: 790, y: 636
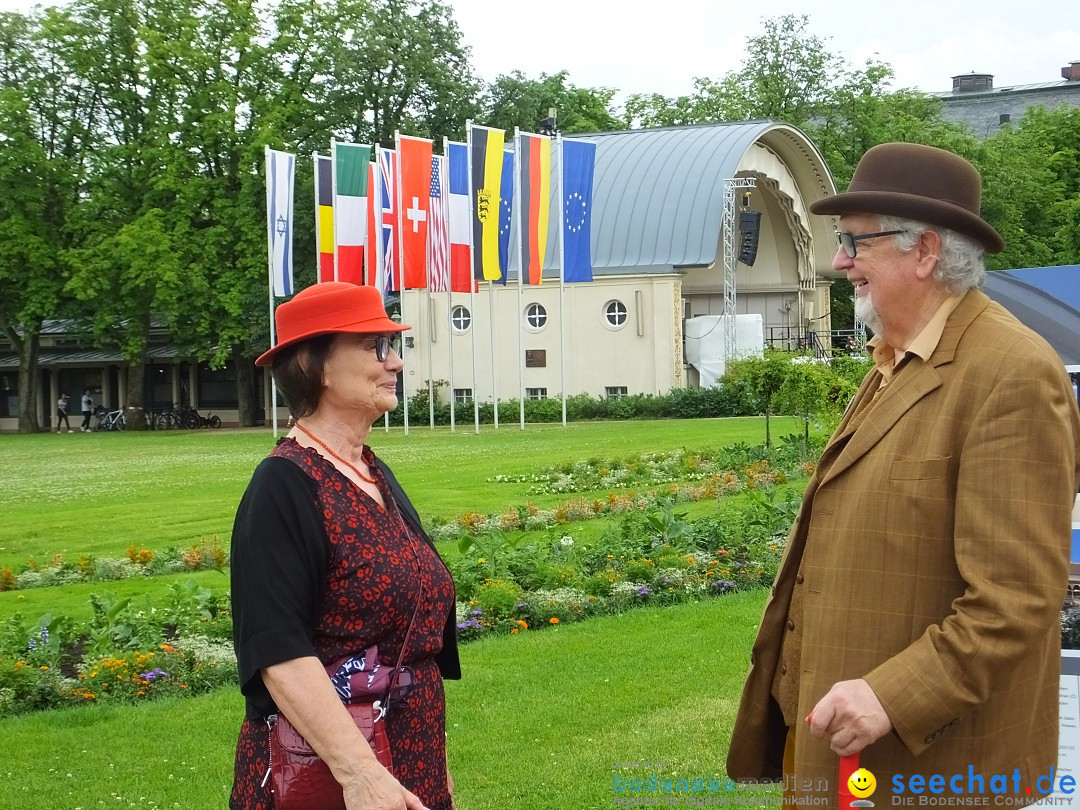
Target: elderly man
x: 915, y: 615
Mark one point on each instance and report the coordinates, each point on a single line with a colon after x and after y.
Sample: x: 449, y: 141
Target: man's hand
x: 851, y: 715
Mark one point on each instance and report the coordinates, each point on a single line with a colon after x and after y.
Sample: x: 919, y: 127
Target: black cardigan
x: 282, y: 496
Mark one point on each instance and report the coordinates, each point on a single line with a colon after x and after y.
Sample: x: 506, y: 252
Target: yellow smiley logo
x: 862, y: 783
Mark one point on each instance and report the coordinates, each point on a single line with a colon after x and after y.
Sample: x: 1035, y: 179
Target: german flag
x: 535, y: 170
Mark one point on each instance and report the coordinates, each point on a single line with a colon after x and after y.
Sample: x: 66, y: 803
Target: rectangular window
x: 217, y: 387
x: 615, y: 391
x: 535, y: 393
x: 462, y: 396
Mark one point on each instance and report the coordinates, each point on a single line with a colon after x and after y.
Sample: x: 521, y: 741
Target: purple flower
x: 32, y: 645
x: 44, y: 635
x: 643, y: 591
x: 469, y: 624
x: 477, y: 612
x: 721, y: 586
x: 154, y: 673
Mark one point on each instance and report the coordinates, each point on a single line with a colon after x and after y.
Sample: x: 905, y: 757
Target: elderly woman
x: 329, y: 558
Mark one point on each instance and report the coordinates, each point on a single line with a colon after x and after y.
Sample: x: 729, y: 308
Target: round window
x: 615, y: 314
x: 461, y: 319
x: 535, y: 317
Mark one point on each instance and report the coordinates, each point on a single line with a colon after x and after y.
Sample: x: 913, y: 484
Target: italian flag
x: 350, y: 209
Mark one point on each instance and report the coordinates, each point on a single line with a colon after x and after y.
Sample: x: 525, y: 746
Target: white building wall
x: 644, y: 354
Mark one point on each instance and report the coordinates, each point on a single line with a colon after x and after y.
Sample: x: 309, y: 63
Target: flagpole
x: 450, y: 282
x: 430, y: 325
x: 401, y: 279
x: 562, y: 279
x: 515, y: 213
x: 494, y: 359
x: 333, y: 199
x: 472, y: 274
x: 315, y: 167
x: 270, y: 281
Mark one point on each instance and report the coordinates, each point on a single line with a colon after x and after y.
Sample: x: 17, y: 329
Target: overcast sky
x: 633, y: 46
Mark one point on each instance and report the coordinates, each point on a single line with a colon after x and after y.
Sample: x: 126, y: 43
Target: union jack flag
x: 438, y: 234
x: 390, y: 272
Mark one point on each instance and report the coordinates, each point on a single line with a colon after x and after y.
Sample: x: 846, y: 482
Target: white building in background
x: 657, y: 250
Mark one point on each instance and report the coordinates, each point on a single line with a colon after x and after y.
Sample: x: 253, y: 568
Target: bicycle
x: 110, y: 420
x: 176, y: 417
x: 208, y: 421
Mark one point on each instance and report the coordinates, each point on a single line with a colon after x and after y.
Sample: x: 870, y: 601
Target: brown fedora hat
x: 916, y: 182
x: 333, y: 306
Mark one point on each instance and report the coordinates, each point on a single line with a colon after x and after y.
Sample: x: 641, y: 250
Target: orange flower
x: 554, y: 620
x: 514, y: 631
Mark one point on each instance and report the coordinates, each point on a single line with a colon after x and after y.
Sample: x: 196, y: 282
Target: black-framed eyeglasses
x: 383, y: 345
x: 847, y: 240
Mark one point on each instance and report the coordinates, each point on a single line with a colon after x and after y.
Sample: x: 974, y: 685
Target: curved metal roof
x: 658, y: 193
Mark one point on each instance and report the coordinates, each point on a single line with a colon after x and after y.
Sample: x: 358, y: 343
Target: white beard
x: 865, y: 312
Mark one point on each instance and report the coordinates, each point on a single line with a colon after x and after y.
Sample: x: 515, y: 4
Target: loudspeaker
x: 749, y: 226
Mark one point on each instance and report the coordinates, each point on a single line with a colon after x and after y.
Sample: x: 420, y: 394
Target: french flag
x: 461, y: 277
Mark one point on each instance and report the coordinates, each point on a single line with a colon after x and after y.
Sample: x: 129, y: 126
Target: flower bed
x: 507, y: 585
x: 136, y: 562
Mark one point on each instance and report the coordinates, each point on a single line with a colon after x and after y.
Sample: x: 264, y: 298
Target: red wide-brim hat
x: 323, y: 309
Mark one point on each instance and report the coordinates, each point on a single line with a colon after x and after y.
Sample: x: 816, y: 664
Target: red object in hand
x: 848, y: 766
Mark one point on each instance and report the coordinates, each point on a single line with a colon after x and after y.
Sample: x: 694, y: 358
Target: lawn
x: 98, y: 493
x: 539, y: 718
x: 536, y: 723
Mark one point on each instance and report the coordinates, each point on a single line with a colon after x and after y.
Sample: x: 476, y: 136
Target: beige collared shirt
x: 888, y: 360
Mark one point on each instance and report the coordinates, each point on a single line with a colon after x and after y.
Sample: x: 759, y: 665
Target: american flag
x: 438, y: 235
x: 391, y: 274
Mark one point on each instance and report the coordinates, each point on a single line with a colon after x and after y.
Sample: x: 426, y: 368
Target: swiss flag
x: 414, y: 161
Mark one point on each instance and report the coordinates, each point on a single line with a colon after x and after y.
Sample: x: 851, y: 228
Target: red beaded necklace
x: 334, y: 455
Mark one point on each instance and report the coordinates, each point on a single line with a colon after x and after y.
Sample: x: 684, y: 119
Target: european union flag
x: 578, y: 161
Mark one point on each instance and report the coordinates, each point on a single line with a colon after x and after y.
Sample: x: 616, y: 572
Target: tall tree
x: 513, y: 100
x: 396, y: 65
x: 129, y: 265
x: 1031, y: 175
x: 47, y: 118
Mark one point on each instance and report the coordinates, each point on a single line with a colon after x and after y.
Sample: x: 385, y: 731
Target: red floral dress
x: 376, y: 568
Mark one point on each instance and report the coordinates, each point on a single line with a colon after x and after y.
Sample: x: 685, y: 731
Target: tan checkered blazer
x: 941, y: 530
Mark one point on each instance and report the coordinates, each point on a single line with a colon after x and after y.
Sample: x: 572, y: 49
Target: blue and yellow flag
x: 506, y: 213
x: 486, y: 152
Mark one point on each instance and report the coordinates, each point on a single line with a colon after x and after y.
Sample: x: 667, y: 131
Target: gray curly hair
x: 960, y: 261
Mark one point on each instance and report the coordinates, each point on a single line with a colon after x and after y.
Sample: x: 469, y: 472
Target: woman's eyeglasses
x: 847, y: 240
x: 383, y: 345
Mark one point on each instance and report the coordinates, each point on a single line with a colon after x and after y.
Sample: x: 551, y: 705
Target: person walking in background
x: 329, y: 558
x: 87, y: 410
x: 62, y: 414
x: 915, y: 614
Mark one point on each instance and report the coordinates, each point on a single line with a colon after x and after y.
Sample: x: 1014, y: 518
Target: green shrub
x: 497, y: 597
